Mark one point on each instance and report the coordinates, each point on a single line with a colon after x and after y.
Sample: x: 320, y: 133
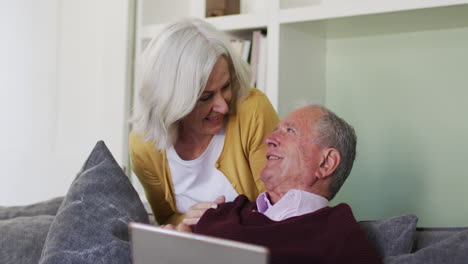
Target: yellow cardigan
x: 241, y: 160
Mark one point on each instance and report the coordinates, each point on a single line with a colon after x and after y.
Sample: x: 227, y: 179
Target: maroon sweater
x: 329, y: 235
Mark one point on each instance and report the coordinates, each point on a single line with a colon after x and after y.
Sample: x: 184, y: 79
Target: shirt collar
x: 293, y: 203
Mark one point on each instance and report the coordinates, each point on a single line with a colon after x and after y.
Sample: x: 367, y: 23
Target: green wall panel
x: 401, y: 80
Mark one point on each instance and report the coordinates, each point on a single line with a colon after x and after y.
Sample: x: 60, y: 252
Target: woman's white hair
x: 175, y: 67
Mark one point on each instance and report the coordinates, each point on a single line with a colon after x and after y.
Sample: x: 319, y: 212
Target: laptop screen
x: 152, y: 244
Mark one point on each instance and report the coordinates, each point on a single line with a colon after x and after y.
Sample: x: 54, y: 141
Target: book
x: 237, y: 46
x: 256, y: 35
x: 242, y: 48
x: 246, y: 50
x: 262, y: 63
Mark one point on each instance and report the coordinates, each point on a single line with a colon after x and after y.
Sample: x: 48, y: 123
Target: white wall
x: 63, y: 86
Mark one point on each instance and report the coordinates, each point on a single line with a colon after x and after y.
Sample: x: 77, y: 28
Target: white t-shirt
x: 198, y: 180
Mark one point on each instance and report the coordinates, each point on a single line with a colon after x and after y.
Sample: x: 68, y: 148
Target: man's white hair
x: 175, y: 67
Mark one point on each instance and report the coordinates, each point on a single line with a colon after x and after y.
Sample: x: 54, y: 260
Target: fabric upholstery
x: 391, y: 236
x: 426, y: 236
x: 22, y: 238
x: 453, y: 250
x: 91, y: 224
x: 48, y: 207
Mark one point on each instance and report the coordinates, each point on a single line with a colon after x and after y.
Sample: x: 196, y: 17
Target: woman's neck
x: 190, y: 146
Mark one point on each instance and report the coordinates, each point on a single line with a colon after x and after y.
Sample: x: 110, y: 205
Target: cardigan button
x: 217, y: 165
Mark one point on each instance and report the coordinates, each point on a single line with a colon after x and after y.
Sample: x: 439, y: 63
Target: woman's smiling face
x: 208, y: 116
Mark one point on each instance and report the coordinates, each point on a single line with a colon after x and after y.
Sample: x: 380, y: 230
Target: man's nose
x: 272, y: 140
x: 220, y: 105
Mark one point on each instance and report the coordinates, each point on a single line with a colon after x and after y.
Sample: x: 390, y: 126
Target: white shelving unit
x: 297, y: 34
x: 394, y: 68
x: 327, y: 9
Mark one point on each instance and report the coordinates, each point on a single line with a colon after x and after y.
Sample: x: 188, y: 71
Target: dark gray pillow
x: 91, y: 224
x: 48, y: 207
x: 453, y: 250
x: 391, y: 236
x: 22, y: 238
x: 426, y: 236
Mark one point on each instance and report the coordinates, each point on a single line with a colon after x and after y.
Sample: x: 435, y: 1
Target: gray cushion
x: 48, y: 207
x: 91, y: 224
x: 22, y: 238
x: 453, y: 250
x: 426, y: 236
x: 391, y: 236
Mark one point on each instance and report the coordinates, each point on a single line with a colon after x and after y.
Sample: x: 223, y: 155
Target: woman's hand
x: 180, y: 227
x: 197, y: 210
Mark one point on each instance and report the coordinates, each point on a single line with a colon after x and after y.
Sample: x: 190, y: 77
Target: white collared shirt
x: 293, y: 203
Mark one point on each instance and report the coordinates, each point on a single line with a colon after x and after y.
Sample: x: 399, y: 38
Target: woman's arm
x: 152, y: 181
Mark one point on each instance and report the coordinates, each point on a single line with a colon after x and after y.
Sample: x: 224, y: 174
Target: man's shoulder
x: 339, y: 217
x: 342, y: 216
x: 340, y: 210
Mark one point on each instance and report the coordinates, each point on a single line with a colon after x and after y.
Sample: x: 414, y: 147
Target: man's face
x: 292, y: 157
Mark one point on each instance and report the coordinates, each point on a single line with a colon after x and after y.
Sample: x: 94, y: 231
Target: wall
x: 28, y: 75
x: 401, y: 80
x: 63, y: 87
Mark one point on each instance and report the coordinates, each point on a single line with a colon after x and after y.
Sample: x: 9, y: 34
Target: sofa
x: 90, y: 225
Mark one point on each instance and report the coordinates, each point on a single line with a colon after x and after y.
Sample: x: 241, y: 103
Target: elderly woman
x: 198, y: 127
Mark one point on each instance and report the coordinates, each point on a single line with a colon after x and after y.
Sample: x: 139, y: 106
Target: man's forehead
x: 305, y: 114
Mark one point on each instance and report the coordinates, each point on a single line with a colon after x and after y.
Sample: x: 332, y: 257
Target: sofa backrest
x: 426, y: 236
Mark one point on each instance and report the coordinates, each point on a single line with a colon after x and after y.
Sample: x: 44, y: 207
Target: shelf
x: 338, y: 8
x: 239, y: 22
x: 225, y: 23
x: 381, y: 64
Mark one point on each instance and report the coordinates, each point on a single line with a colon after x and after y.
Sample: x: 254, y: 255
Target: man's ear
x: 331, y: 158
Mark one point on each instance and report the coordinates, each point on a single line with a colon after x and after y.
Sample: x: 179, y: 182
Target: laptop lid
x: 152, y: 244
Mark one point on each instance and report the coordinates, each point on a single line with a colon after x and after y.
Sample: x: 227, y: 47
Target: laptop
x: 151, y: 244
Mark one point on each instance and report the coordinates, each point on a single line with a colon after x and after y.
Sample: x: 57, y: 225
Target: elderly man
x: 309, y: 156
